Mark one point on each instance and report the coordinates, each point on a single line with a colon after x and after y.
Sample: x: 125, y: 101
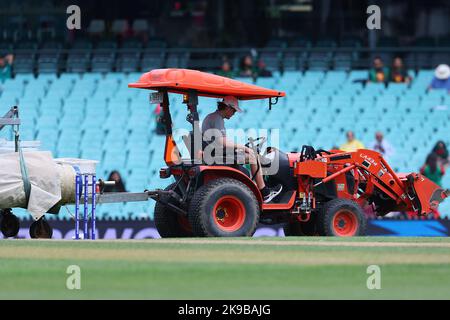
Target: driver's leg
x: 251, y: 159
x: 267, y: 193
x: 259, y: 177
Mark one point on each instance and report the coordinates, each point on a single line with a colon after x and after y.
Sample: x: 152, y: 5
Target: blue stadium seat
x: 358, y: 75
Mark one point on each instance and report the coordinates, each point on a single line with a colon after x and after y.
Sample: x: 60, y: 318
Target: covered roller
x: 50, y: 184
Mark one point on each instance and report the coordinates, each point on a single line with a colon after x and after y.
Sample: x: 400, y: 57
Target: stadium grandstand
x: 73, y: 97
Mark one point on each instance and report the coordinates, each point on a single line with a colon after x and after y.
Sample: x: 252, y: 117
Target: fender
x: 208, y: 173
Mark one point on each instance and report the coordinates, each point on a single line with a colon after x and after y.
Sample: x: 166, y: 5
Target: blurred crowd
x: 379, y: 72
x: 398, y: 73
x: 382, y: 74
x: 247, y: 68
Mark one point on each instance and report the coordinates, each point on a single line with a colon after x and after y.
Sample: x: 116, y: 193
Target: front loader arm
x: 411, y: 193
x: 371, y: 165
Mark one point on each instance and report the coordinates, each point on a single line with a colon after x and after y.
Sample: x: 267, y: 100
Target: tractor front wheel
x: 169, y: 223
x: 224, y: 208
x: 341, y: 218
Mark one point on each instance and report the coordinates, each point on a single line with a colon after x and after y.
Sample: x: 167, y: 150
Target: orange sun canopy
x: 205, y: 84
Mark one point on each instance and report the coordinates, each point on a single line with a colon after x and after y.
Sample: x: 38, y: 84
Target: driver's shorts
x: 226, y: 156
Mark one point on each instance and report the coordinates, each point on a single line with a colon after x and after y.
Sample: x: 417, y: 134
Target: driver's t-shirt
x: 213, y: 121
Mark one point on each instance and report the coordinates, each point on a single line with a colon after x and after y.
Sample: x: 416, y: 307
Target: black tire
x: 341, y: 217
x: 208, y: 209
x: 168, y: 222
x: 301, y: 229
x: 40, y: 229
x: 9, y: 225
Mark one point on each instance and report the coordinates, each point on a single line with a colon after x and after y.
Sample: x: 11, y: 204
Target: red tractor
x: 323, y: 191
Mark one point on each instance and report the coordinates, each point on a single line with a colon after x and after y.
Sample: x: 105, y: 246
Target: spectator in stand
x: 382, y: 146
x: 247, y: 68
x: 352, y: 143
x: 432, y: 169
x: 379, y: 73
x: 262, y: 70
x: 6, y: 67
x: 399, y: 74
x: 226, y: 70
x: 117, y: 178
x: 441, y: 151
x: 441, y: 79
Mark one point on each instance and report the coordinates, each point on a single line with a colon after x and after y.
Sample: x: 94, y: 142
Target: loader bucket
x: 425, y: 194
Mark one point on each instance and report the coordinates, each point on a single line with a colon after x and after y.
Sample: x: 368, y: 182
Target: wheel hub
x: 341, y: 223
x: 221, y: 214
x: 229, y: 213
x: 345, y: 223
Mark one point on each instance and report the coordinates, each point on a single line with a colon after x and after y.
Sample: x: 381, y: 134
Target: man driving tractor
x: 215, y: 121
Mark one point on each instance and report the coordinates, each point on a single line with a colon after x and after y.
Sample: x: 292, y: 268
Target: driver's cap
x: 232, y: 102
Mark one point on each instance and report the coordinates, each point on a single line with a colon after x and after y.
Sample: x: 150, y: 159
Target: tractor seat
x: 225, y: 160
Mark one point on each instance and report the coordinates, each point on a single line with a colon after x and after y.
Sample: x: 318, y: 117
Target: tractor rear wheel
x: 341, y: 218
x: 224, y: 208
x: 297, y: 228
x: 171, y: 224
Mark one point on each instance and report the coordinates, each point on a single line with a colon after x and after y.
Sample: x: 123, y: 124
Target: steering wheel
x: 256, y: 143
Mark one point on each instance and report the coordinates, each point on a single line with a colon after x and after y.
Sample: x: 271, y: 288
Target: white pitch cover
x: 48, y: 182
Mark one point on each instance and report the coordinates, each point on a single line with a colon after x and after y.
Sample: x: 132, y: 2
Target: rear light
x: 164, y: 173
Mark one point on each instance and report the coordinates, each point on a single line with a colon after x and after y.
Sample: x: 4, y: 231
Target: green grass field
x: 254, y: 268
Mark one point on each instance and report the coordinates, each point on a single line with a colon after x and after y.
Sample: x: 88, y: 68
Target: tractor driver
x: 215, y: 120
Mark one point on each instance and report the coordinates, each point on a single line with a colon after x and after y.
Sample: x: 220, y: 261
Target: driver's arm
x: 221, y: 138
